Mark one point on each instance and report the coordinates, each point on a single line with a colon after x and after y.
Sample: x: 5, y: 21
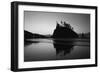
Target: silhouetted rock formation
x: 64, y: 31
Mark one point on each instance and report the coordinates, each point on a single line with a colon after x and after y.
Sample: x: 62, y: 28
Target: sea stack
x: 64, y: 30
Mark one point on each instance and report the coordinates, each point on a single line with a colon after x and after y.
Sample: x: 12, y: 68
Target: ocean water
x: 56, y: 49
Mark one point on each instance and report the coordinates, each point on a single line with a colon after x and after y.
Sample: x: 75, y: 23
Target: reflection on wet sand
x: 56, y: 49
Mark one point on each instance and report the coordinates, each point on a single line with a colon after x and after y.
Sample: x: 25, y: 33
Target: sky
x: 45, y: 22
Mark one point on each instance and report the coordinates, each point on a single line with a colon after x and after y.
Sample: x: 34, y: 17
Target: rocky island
x: 64, y: 30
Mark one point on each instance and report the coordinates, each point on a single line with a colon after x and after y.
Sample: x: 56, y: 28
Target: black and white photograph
x: 56, y: 36
x: 52, y: 36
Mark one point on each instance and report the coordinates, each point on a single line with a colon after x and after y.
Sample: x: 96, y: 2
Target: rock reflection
x: 63, y: 47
